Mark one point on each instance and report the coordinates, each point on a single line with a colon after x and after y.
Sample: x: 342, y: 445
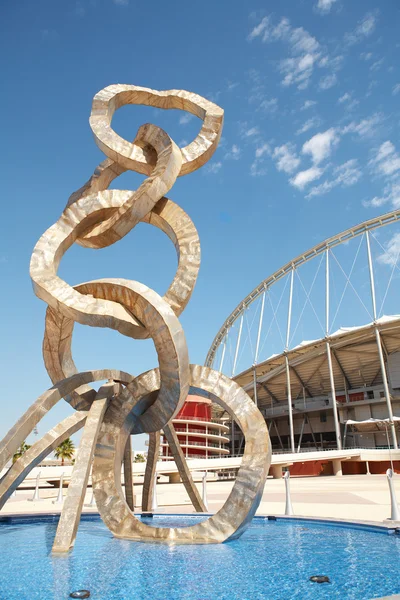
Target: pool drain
x: 80, y: 594
x: 320, y: 579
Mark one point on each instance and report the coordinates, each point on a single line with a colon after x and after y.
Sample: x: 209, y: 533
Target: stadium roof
x: 354, y: 356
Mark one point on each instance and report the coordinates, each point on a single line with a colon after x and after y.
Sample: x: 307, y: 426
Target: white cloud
x: 335, y: 63
x: 309, y: 124
x: 298, y: 70
x: 344, y: 175
x: 286, y: 159
x: 391, y: 194
x: 303, y: 178
x: 345, y: 98
x: 185, y: 118
x: 214, y: 167
x: 376, y: 202
x: 348, y: 173
x: 258, y: 29
x: 377, y: 65
x: 280, y: 31
x: 325, y: 83
x: 302, y: 42
x: 250, y: 132
x: 386, y: 149
x: 387, y: 160
x: 392, y: 251
x: 386, y: 164
x: 324, y: 6
x: 365, y: 28
x: 348, y: 101
x: 308, y: 104
x: 270, y: 105
x: 263, y: 149
x: 396, y: 89
x: 366, y: 127
x: 320, y: 145
x: 234, y: 153
x: 304, y: 49
x: 366, y: 55
x: 257, y: 169
x: 371, y: 86
x: 258, y: 166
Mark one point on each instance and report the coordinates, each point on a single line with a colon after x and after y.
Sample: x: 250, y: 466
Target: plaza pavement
x: 353, y: 497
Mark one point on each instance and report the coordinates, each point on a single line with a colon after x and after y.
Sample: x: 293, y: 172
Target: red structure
x: 199, y: 435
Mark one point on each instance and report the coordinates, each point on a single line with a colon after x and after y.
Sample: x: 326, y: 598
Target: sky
x: 310, y: 147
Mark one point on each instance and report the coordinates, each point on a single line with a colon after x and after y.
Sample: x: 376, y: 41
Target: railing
x: 210, y: 421
x: 192, y: 457
x: 321, y: 403
x: 202, y: 431
x: 288, y: 451
x: 208, y: 444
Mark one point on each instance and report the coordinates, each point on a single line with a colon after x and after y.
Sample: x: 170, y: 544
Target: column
x: 329, y: 355
x: 288, y: 385
x: 337, y: 467
x: 379, y: 344
x: 276, y: 471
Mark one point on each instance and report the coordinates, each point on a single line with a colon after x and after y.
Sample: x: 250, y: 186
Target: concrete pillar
x: 174, y: 478
x: 337, y: 467
x: 276, y: 471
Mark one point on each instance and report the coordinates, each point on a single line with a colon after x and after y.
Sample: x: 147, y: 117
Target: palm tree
x: 65, y: 450
x: 21, y: 450
x: 139, y: 458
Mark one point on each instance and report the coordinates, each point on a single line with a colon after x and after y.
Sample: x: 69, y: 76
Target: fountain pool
x: 272, y: 560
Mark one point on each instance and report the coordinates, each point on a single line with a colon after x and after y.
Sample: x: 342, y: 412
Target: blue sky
x: 310, y: 147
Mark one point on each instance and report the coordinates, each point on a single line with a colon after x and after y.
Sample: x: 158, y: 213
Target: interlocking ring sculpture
x: 97, y: 217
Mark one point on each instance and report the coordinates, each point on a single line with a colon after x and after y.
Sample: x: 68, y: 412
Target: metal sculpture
x: 97, y: 217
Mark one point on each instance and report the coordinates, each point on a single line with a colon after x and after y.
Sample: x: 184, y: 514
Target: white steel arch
x: 364, y: 277
x: 290, y: 267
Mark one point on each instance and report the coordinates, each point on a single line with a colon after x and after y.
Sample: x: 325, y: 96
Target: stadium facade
x: 341, y: 390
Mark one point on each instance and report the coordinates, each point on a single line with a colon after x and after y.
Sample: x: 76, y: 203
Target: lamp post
x: 154, y: 504
x: 59, y: 499
x: 288, y: 505
x: 204, y: 491
x: 394, y: 513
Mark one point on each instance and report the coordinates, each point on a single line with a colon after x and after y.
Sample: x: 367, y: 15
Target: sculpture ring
x: 196, y: 154
x: 236, y: 514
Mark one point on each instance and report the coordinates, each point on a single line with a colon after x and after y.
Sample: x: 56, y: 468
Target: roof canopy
x: 373, y: 425
x: 355, y: 363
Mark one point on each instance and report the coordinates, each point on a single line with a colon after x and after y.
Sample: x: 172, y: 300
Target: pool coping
x: 387, y: 526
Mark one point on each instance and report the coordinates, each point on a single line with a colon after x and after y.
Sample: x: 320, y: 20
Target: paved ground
x: 355, y: 497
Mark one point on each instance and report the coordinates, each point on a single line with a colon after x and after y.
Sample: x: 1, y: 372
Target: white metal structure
x: 358, y: 285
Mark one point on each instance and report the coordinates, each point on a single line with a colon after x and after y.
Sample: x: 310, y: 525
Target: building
x: 309, y: 421
x: 308, y: 392
x: 200, y: 435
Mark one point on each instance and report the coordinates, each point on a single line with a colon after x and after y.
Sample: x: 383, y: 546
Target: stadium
x: 317, y: 346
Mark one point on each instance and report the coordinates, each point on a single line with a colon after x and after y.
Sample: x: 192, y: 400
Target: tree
x: 65, y: 450
x: 21, y: 450
x: 139, y: 458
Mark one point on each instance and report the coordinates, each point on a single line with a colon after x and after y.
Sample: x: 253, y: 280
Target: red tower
x: 199, y: 435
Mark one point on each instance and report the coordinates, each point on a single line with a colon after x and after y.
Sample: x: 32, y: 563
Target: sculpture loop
x: 97, y: 217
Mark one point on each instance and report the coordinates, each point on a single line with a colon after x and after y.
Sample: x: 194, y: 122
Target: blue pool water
x: 272, y: 560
